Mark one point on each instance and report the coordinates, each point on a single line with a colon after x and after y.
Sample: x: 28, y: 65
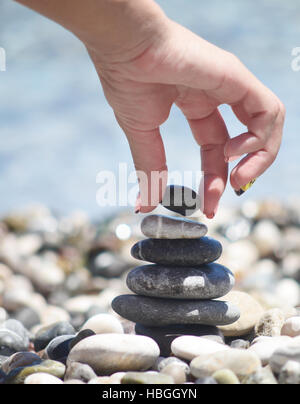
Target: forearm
x: 106, y: 24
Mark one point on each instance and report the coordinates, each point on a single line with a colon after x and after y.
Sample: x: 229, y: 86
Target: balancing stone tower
x: 176, y: 294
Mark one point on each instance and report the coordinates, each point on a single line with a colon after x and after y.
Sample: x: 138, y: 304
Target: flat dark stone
x: 157, y: 312
x: 166, y: 227
x: 206, y: 282
x: 164, y: 336
x: 181, y: 200
x: 183, y: 253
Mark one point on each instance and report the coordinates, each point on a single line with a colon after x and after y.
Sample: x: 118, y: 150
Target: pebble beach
x: 60, y: 275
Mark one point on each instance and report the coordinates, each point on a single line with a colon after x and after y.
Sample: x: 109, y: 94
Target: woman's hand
x: 147, y: 63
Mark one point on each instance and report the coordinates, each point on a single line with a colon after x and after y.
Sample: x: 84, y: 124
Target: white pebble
x: 189, y: 347
x: 104, y: 324
x: 291, y: 327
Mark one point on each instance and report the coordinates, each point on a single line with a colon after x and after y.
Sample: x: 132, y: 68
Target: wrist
x: 130, y: 27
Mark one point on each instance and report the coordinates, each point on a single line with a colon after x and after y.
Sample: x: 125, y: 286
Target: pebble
x: 251, y: 312
x: 284, y: 354
x: 27, y: 316
x: 161, y: 312
x: 225, y: 376
x: 190, y: 347
x: 290, y: 373
x: 181, y: 200
x: 270, y: 323
x: 18, y: 375
x: 264, y: 347
x: 172, y: 360
x: 166, y: 227
x: 240, y: 344
x: 74, y: 382
x: 42, y: 378
x: 18, y: 328
x: 80, y: 336
x: 207, y: 282
x: 146, y: 378
x: 291, y: 327
x: 47, y: 334
x: 242, y: 363
x: 176, y: 371
x: 104, y: 324
x: 183, y: 253
x: 10, y: 343
x: 262, y: 376
x: 206, y: 380
x: 164, y: 336
x: 110, y: 353
x: 19, y: 360
x: 79, y: 371
x: 58, y: 349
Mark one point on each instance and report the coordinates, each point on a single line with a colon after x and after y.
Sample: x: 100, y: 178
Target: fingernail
x: 244, y: 189
x: 138, y: 204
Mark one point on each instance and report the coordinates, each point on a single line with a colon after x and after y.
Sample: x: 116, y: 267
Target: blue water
x: 57, y: 131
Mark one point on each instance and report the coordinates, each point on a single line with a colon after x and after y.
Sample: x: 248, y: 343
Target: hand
x: 147, y: 63
x: 181, y: 68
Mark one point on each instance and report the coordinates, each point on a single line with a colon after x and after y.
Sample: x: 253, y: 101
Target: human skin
x: 147, y: 63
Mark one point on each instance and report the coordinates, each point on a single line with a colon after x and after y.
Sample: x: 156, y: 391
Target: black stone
x: 183, y: 253
x: 164, y: 336
x: 157, y: 312
x: 181, y: 200
x: 80, y: 336
x: 209, y: 281
x: 58, y: 349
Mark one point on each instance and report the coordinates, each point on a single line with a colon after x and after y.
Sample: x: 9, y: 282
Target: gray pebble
x: 206, y: 380
x: 79, y: 371
x: 179, y: 253
x: 166, y: 227
x: 160, y: 312
x: 240, y: 344
x: 206, y: 282
x: 10, y: 343
x: 47, y: 334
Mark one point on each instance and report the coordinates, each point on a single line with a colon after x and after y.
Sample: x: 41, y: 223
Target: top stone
x: 165, y: 227
x: 181, y: 200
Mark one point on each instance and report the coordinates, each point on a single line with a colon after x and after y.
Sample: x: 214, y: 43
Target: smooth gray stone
x: 159, y: 312
x: 179, y: 253
x: 206, y: 282
x: 181, y: 200
x: 166, y: 227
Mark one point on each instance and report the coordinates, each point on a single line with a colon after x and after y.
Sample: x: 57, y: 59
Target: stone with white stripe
x: 166, y: 227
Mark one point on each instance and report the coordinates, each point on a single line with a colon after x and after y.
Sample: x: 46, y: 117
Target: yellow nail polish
x: 245, y: 188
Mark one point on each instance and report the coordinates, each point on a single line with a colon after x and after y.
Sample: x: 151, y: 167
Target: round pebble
x: 290, y: 373
x: 110, y: 353
x: 161, y: 312
x: 19, y: 360
x: 240, y: 362
x: 270, y: 323
x: 18, y: 375
x: 183, y: 253
x: 251, y: 312
x: 265, y: 347
x: 103, y: 324
x: 225, y: 376
x: 190, y: 347
x: 166, y: 227
x: 10, y: 343
x: 207, y: 282
x: 42, y: 378
x: 79, y: 371
x: 284, y: 354
x: 291, y: 327
x: 58, y: 349
x: 176, y: 372
x: 146, y: 378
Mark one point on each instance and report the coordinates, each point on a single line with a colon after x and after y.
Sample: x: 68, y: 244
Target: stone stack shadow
x: 180, y: 292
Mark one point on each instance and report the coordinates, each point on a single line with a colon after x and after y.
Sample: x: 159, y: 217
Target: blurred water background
x: 57, y: 131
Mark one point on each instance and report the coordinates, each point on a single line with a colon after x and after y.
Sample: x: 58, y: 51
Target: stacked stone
x: 179, y: 294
